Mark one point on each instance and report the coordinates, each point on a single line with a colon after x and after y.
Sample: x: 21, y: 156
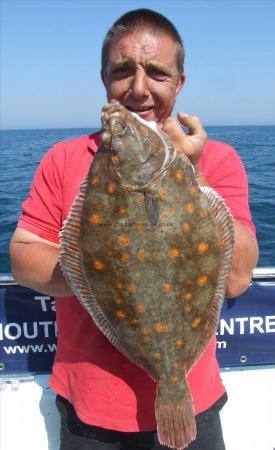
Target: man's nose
x: 139, y: 85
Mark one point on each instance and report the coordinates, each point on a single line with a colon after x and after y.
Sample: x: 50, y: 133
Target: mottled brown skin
x: 148, y: 253
x: 155, y: 283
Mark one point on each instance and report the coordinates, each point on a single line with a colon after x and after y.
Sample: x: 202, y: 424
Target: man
x: 105, y: 401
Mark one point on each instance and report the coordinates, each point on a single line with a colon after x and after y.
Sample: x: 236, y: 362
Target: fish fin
x: 225, y: 227
x: 71, y: 265
x: 152, y: 208
x: 176, y: 426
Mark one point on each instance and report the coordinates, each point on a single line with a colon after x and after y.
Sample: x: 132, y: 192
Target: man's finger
x: 192, y: 123
x: 174, y: 131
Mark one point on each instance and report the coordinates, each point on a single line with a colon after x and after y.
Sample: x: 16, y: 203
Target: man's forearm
x: 245, y: 258
x: 36, y: 265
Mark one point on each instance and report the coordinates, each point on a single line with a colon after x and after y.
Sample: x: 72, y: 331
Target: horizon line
x: 99, y: 127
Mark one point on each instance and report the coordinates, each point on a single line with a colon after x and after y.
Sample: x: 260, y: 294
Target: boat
x: 245, y: 351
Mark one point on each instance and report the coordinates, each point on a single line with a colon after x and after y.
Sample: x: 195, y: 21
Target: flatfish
x: 147, y: 251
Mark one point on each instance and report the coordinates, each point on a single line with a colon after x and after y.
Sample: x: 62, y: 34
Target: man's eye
x: 120, y: 71
x: 158, y: 74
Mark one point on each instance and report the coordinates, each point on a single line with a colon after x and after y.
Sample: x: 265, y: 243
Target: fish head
x: 139, y: 150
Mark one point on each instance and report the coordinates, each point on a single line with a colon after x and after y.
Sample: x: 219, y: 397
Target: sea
x: 21, y: 151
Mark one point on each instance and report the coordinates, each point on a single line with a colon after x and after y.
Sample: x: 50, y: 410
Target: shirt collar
x: 94, y: 142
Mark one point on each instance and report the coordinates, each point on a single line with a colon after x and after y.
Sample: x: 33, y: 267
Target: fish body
x: 147, y: 252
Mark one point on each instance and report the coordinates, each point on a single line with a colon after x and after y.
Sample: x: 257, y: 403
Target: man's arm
x: 35, y: 264
x: 245, y: 252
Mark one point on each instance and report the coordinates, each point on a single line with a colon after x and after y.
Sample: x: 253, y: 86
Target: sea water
x: 21, y: 151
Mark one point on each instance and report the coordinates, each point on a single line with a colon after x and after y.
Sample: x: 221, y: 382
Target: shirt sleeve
x: 225, y: 172
x: 42, y: 210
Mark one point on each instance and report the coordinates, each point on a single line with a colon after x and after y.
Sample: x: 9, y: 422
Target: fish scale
x: 147, y: 252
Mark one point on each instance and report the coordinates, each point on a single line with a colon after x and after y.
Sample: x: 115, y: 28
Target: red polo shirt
x: 106, y: 389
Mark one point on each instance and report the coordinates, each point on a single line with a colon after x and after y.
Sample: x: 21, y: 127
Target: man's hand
x: 192, y: 143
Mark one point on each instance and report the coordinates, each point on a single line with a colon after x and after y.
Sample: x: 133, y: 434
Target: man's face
x: 142, y: 74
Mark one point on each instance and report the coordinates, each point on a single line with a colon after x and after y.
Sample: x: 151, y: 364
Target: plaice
x: 148, y: 252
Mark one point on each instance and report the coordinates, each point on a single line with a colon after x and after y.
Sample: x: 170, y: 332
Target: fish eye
x: 117, y: 126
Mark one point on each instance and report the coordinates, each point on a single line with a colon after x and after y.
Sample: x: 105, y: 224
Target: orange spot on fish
x: 188, y: 296
x: 123, y: 240
x: 204, y: 213
x: 202, y: 280
x: 196, y: 322
x: 170, y: 210
x: 179, y: 343
x: 96, y: 219
x: 185, y: 365
x: 122, y: 211
x: 141, y: 308
x: 85, y: 291
x: 165, y: 216
x: 115, y: 158
x: 120, y: 314
x: 160, y: 384
x: 126, y: 144
x: 162, y: 193
x: 125, y: 257
x: 167, y: 287
x: 185, y: 227
x: 94, y: 181
x: 161, y: 149
x: 189, y: 207
x: 119, y: 301
x: 119, y: 285
x: 187, y: 309
x: 223, y: 242
x: 203, y: 247
x: 132, y: 288
x: 146, y: 331
x: 99, y: 265
x: 138, y: 226
x: 157, y: 366
x: 179, y: 175
x: 174, y: 252
x: 161, y: 327
x: 193, y: 190
x: 111, y: 188
x: 129, y: 189
x: 173, y: 379
x: 141, y: 255
x: 157, y: 355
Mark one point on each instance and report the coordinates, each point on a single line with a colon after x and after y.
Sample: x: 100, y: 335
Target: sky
x: 50, y: 60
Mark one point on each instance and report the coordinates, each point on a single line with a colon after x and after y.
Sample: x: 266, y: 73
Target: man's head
x: 142, y: 63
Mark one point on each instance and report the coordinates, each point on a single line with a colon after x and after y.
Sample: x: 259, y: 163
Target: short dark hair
x: 143, y: 19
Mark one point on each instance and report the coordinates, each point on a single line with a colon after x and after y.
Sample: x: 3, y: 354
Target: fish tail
x: 175, y: 418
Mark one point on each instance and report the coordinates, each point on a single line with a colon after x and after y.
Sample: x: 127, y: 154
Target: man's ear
x: 181, y: 82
